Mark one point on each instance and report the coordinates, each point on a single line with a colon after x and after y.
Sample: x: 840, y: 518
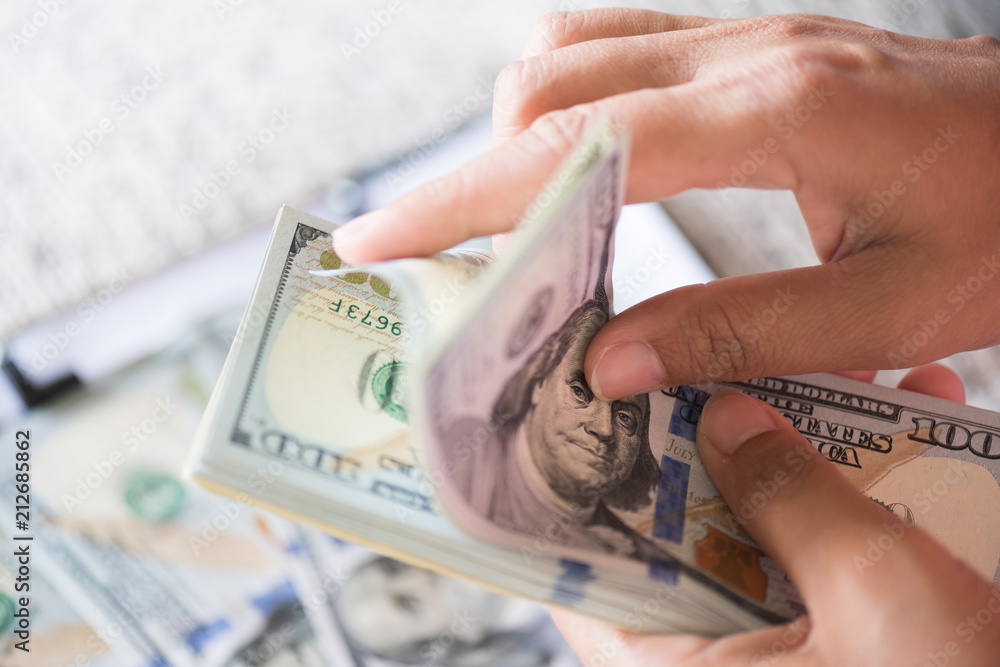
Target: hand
x: 890, y: 143
x: 915, y: 605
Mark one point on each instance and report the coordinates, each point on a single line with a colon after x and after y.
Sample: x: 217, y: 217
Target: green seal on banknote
x: 389, y: 387
x: 355, y: 278
x: 7, y: 611
x: 154, y: 496
x: 328, y: 259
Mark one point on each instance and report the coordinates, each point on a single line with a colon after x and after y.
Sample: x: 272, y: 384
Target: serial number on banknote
x: 355, y: 312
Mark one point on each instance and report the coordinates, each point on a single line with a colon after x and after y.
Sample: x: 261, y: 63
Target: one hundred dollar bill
x: 436, y: 410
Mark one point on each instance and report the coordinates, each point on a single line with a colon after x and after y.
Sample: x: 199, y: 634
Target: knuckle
x: 857, y: 56
x: 986, y: 43
x: 804, y: 67
x: 804, y: 62
x: 517, y: 90
x: 552, y: 31
x: 720, y: 347
x: 507, y: 83
x: 795, y: 25
x: 986, y: 49
x: 558, y: 131
x: 813, y: 62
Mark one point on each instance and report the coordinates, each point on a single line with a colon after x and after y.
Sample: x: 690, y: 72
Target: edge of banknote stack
x: 331, y: 366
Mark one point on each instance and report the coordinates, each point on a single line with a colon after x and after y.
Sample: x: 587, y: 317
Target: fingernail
x: 732, y: 419
x: 626, y: 369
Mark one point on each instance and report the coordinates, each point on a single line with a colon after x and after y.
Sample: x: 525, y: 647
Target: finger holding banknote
x: 882, y: 138
x: 878, y: 592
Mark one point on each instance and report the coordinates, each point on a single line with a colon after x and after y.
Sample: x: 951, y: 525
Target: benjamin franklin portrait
x: 565, y: 461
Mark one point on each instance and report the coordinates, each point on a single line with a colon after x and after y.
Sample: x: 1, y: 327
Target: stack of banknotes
x: 436, y: 410
x: 131, y: 565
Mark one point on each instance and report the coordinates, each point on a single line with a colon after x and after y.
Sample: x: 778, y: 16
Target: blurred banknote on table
x: 436, y: 410
x: 155, y: 570
x: 373, y: 611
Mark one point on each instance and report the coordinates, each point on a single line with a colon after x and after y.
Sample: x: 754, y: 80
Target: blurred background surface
x: 144, y: 151
x: 132, y: 135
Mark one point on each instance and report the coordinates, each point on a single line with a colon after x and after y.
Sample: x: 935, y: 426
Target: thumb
x: 792, y: 500
x: 851, y: 314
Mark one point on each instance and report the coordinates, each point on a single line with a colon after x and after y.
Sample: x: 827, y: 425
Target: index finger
x: 685, y: 136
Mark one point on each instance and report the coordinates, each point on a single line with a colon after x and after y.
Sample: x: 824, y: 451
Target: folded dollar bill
x: 436, y: 410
